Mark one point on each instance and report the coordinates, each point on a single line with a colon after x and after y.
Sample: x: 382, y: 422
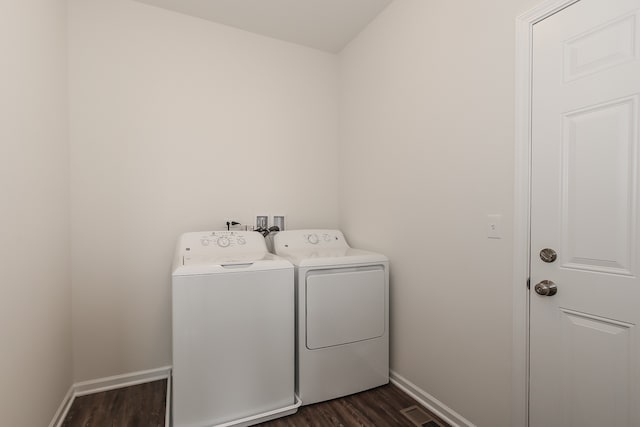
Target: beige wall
x: 176, y: 124
x: 427, y: 113
x: 168, y: 112
x: 35, y: 310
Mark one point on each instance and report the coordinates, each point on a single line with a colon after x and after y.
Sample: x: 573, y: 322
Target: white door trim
x: 524, y: 52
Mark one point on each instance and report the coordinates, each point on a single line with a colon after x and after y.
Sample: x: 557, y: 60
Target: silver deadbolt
x: 546, y: 288
x: 548, y: 255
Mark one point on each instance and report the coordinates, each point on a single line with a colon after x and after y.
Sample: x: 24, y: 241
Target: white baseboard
x: 110, y: 383
x: 120, y: 381
x: 430, y: 402
x: 61, y: 413
x: 168, y: 421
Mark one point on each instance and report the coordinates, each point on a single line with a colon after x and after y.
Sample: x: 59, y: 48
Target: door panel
x: 601, y: 47
x: 598, y: 212
x: 344, y: 306
x: 584, y: 358
x: 600, y: 348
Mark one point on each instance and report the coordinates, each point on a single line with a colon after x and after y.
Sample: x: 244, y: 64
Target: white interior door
x: 584, y: 343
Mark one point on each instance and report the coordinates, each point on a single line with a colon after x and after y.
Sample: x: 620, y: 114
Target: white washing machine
x: 233, y: 331
x: 342, y: 314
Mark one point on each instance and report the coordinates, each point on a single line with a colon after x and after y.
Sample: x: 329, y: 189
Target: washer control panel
x: 223, y: 239
x: 307, y: 239
x: 222, y: 242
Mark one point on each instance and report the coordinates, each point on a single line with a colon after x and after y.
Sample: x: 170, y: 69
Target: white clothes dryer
x: 233, y: 331
x: 342, y: 314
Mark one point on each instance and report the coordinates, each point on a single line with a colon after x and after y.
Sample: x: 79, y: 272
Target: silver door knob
x: 548, y: 255
x: 546, y: 288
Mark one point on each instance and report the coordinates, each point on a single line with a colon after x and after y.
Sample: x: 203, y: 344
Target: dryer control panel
x: 308, y: 239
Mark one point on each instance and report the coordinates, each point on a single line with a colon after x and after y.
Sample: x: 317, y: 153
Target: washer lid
x: 200, y: 264
x: 223, y: 252
x: 237, y: 258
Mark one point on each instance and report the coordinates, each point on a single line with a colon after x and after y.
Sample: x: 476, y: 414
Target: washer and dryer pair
x: 252, y: 329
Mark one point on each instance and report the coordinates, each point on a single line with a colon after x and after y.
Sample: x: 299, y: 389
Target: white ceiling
x: 322, y: 24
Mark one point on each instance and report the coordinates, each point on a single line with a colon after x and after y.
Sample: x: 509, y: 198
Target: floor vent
x: 419, y: 417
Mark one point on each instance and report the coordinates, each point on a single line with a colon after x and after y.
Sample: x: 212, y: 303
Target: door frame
x: 522, y: 208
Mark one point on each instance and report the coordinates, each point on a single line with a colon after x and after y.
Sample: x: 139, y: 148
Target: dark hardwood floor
x: 379, y: 407
x: 141, y: 405
x: 144, y: 406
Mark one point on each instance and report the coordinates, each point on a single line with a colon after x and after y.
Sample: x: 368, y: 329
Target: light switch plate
x: 494, y: 226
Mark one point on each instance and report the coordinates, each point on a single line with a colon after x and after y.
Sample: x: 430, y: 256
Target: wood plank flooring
x: 143, y: 405
x: 379, y: 407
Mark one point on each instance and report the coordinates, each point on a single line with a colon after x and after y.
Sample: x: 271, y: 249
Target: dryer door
x: 344, y: 305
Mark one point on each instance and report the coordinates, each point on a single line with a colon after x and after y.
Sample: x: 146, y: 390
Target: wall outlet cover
x: 262, y: 221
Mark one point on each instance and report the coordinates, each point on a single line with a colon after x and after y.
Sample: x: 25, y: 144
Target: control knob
x: 313, y: 239
x: 223, y: 242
